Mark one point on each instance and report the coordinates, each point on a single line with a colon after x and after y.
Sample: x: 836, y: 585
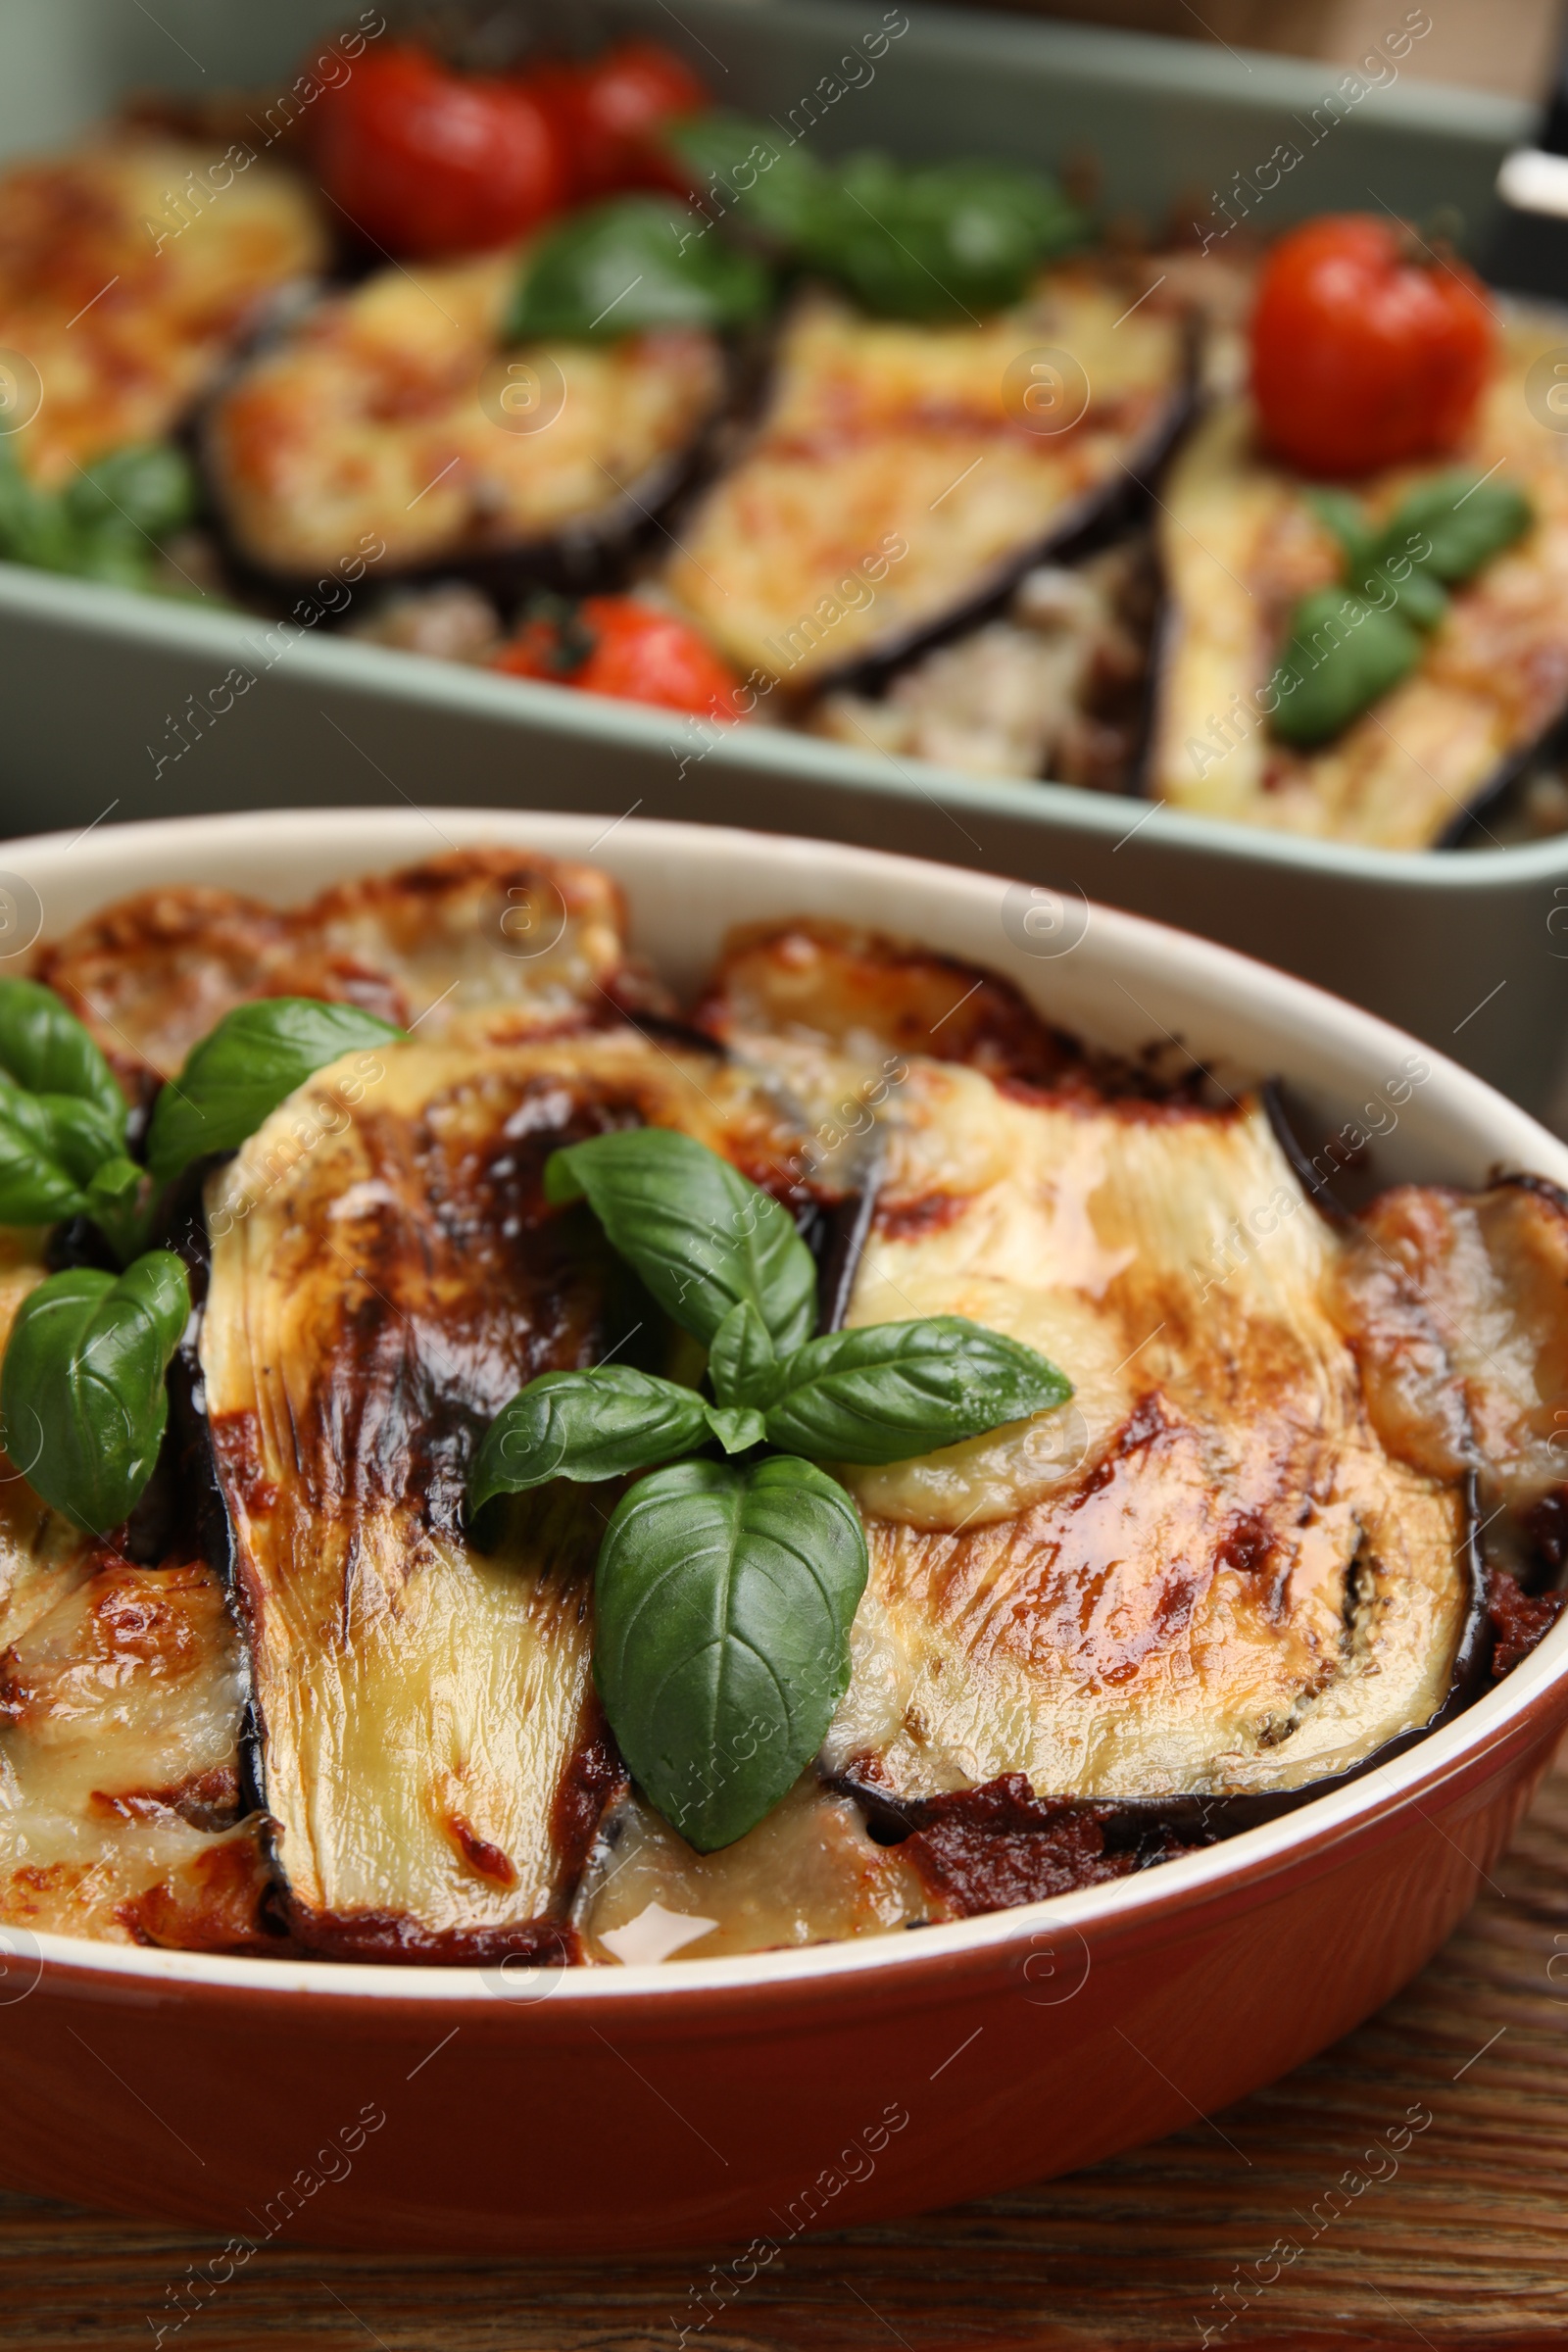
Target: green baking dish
x: 113, y: 706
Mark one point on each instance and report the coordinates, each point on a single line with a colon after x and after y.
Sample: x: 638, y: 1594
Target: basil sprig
x: 725, y: 1591
x: 723, y: 1600
x: 82, y: 1400
x: 81, y: 1386
x: 937, y: 242
x: 704, y: 1240
x: 62, y: 1122
x: 1348, y: 647
x: 105, y: 522
x: 245, y: 1067
x: 885, y: 1391
x: 632, y: 263
x: 45, y: 1049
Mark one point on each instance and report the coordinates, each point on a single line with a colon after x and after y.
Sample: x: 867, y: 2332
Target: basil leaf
x: 1341, y: 656
x: 145, y: 487
x: 120, y: 1201
x: 723, y: 1601
x: 45, y: 1049
x: 586, y: 1425
x: 1418, y: 598
x: 244, y: 1068
x: 1466, y: 518
x: 1346, y: 518
x: 886, y: 1392
x: 736, y: 163
x: 940, y: 243
x: 634, y: 263
x: 83, y: 1135
x: 702, y: 1237
x: 82, y: 1402
x: 742, y: 1362
x: 738, y: 1428
x: 38, y: 1184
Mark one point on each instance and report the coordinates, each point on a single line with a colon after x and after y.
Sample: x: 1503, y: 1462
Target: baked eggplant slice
x: 120, y: 1692
x: 1240, y: 543
x: 898, y: 483
x: 1214, y: 1577
x: 127, y: 293
x: 378, y: 419
x: 1453, y: 1302
x: 541, y: 938
x: 430, y: 1749
x: 119, y: 1806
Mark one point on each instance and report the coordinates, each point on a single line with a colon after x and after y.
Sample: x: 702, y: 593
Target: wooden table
x: 1466, y: 2243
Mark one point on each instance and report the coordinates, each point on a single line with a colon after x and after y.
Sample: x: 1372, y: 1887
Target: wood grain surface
x: 1459, y: 2238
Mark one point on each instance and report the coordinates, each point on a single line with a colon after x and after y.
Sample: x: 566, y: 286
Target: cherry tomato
x: 608, y: 113
x: 426, y: 162
x: 619, y: 646
x: 1367, y: 351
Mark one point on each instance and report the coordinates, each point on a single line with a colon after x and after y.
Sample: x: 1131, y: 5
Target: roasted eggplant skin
x: 388, y: 413
x: 859, y: 524
x: 1240, y: 544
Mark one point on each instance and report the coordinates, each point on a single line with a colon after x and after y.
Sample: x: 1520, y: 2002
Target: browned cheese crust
x: 897, y: 472
x: 127, y: 314
x: 379, y: 417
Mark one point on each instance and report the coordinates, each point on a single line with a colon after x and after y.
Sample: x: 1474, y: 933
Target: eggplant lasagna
x: 1304, y: 1501
x: 559, y: 370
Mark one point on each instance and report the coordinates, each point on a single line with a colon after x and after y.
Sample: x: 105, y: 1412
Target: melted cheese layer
x: 1207, y: 1574
x: 375, y: 420
x: 125, y: 313
x: 895, y: 474
x: 375, y: 1298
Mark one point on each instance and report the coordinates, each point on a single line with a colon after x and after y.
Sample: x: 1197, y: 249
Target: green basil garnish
x: 737, y: 1427
x: 723, y: 1601
x: 1343, y: 656
x: 725, y: 1593
x: 245, y: 1067
x: 737, y: 162
x: 938, y: 244
x: 885, y: 1391
x: 633, y: 263
x: 81, y: 1386
x: 586, y: 1425
x: 743, y: 1362
x: 1466, y: 523
x: 703, y: 1239
x: 943, y: 241
x: 51, y: 1146
x: 62, y: 1113
x: 81, y: 1391
x: 147, y: 487
x: 1347, y: 648
x: 45, y: 1049
x: 122, y: 1201
x: 105, y: 523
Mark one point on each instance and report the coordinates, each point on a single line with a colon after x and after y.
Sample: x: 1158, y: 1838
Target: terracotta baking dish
x: 757, y: 2098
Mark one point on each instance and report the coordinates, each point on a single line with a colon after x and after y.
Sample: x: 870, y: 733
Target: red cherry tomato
x: 426, y: 162
x: 1366, y: 350
x: 608, y: 114
x: 633, y: 652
